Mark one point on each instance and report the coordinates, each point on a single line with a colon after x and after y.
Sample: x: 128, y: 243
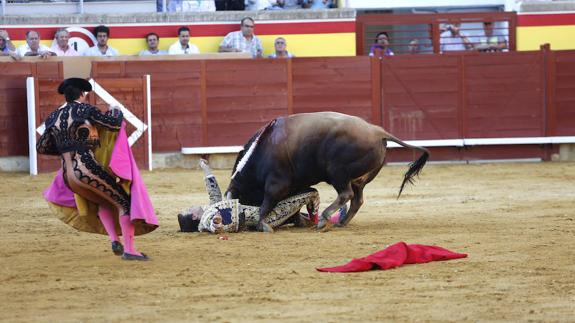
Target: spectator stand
x: 427, y: 29
x: 74, y: 7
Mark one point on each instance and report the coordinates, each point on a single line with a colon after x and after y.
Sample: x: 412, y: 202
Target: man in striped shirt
x: 243, y: 40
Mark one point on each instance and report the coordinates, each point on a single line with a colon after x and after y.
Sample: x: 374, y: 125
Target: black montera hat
x: 187, y: 223
x: 76, y: 82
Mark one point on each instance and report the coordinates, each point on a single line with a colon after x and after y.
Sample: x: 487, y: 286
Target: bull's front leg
x: 276, y: 189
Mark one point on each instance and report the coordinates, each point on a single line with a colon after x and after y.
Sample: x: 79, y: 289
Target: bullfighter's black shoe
x: 129, y: 256
x: 117, y: 248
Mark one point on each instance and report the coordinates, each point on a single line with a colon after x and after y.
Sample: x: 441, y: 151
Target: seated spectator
x: 183, y: 45
x: 278, y: 5
x: 292, y: 4
x: 191, y: 5
x: 317, y: 4
x: 236, y: 5
x: 243, y: 40
x: 102, y: 34
x: 490, y: 41
x: 284, y: 4
x: 414, y: 47
x: 381, y: 43
x: 33, y: 46
x: 153, y: 40
x: 6, y: 46
x: 255, y: 5
x: 280, y: 46
x: 61, y: 46
x: 453, y: 39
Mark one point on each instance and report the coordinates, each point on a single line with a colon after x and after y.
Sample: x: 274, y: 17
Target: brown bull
x: 293, y: 153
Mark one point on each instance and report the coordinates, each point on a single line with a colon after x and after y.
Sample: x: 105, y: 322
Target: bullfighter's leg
x: 212, y: 187
x: 358, y: 185
x: 85, y: 177
x: 344, y: 194
x: 289, y: 209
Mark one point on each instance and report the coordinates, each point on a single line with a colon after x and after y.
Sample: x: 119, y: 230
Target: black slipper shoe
x: 129, y: 256
x: 117, y: 248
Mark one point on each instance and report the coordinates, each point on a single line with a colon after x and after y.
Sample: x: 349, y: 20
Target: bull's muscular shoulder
x: 321, y: 123
x: 325, y: 118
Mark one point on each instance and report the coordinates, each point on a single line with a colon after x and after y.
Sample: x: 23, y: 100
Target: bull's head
x: 243, y: 185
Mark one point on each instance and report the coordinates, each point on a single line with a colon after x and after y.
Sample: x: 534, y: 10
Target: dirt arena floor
x: 516, y: 222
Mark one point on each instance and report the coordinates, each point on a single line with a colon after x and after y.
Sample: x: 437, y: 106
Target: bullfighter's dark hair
x: 73, y: 87
x: 187, y: 224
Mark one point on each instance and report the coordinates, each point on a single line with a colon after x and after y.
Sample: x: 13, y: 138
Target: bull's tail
x: 415, y: 167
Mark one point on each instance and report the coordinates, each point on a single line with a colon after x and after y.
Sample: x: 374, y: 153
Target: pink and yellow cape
x: 115, y: 153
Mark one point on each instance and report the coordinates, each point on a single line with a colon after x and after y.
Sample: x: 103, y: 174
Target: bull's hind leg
x: 356, y: 203
x: 344, y: 194
x: 357, y: 185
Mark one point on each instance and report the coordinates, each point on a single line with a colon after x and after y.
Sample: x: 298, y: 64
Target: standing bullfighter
x: 72, y: 132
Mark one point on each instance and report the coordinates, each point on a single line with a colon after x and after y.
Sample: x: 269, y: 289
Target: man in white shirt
x: 61, y: 47
x: 102, y: 34
x: 191, y: 5
x: 183, y: 45
x: 491, y: 40
x: 33, y: 46
x: 254, y: 5
x: 453, y: 39
x: 153, y: 40
x: 243, y: 40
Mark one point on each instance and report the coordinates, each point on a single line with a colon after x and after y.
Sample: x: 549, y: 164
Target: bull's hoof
x: 323, y: 225
x: 264, y: 227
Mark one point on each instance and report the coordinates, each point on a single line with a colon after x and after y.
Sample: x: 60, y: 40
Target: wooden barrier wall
x: 223, y: 102
x: 13, y: 102
x: 451, y: 96
x: 131, y: 92
x: 561, y: 92
x: 466, y: 96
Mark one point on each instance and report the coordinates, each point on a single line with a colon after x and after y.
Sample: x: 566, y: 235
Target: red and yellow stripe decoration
x: 536, y: 29
x: 305, y: 38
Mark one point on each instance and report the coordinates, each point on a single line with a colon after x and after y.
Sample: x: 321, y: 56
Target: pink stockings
x: 128, y: 229
x: 107, y: 220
